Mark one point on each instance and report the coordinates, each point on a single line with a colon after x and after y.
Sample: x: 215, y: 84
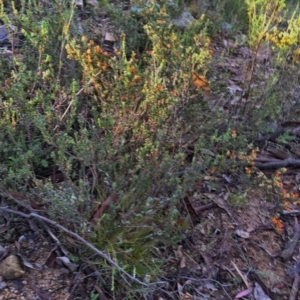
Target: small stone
x: 2, y: 285
x: 10, y: 268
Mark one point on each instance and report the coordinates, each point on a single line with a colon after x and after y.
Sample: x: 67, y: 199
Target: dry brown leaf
x: 183, y: 262
x: 178, y: 253
x: 201, y: 82
x: 51, y: 258
x: 100, y: 210
x: 180, y: 256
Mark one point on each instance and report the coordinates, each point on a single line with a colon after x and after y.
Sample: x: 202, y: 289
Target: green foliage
x: 262, y: 16
x: 109, y: 122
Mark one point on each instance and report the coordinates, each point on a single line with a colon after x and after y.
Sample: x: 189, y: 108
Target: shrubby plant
x: 110, y: 122
x: 136, y: 122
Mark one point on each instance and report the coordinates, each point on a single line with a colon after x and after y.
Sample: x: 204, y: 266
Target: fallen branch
x: 205, y: 207
x: 82, y: 240
x: 277, y: 164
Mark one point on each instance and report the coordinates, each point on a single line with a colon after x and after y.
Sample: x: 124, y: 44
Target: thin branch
x: 82, y: 240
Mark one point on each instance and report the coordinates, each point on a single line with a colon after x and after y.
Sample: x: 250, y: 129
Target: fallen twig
x: 18, y: 199
x: 82, y: 240
x: 54, y: 237
x: 241, y: 275
x: 291, y: 212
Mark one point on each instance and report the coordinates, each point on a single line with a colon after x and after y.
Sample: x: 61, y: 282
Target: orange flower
x: 97, y: 49
x: 105, y: 66
x: 283, y: 192
x: 159, y: 88
x: 253, y: 154
x: 233, y: 133
x: 278, y: 224
x: 248, y: 170
x: 279, y: 184
x: 294, y: 195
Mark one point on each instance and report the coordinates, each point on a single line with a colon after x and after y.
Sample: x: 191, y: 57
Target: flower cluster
x: 278, y: 224
x: 289, y: 198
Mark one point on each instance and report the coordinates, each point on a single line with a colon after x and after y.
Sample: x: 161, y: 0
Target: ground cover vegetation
x: 109, y: 142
